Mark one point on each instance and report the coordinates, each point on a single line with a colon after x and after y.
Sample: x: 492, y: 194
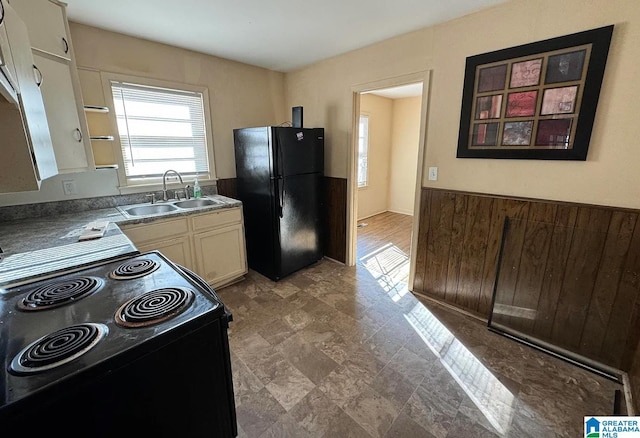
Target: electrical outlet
x: 433, y: 174
x: 69, y: 187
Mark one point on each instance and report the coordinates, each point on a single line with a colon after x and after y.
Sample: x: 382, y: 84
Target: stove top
x: 56, y: 328
x: 57, y: 348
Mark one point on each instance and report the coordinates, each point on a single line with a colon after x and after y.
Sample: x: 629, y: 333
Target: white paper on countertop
x: 93, y: 230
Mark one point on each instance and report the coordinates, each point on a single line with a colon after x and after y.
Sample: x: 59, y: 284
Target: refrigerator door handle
x: 280, y: 157
x: 281, y: 195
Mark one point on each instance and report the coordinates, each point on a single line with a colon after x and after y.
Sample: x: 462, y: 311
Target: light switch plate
x: 433, y: 174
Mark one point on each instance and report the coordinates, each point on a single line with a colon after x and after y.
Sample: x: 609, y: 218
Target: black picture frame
x: 567, y: 82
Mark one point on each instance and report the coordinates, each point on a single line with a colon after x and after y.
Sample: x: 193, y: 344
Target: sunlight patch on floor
x: 491, y: 397
x: 389, y: 266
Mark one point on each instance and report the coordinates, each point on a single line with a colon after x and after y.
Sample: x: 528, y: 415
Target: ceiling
x: 280, y: 35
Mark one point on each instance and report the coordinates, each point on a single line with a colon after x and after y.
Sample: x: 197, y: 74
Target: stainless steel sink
x: 194, y: 203
x: 143, y: 210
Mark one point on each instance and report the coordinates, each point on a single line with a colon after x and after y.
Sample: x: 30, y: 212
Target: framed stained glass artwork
x: 535, y: 101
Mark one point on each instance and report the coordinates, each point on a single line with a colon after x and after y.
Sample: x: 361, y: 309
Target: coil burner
x: 154, y: 307
x: 134, y: 269
x: 58, y: 348
x: 59, y: 293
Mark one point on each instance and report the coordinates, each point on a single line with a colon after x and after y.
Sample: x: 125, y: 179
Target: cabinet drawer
x: 216, y: 218
x: 156, y: 231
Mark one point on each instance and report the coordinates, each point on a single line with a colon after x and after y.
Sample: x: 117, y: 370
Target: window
x: 363, y: 150
x: 160, y: 129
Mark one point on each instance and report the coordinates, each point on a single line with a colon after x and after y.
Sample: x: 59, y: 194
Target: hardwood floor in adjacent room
x: 384, y: 242
x: 384, y: 228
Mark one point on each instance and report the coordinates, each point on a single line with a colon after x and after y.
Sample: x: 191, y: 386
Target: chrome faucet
x: 164, y: 183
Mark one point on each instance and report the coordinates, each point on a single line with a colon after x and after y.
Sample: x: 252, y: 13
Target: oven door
x: 226, y: 319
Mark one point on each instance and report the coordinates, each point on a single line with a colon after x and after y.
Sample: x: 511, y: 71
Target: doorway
x: 386, y: 175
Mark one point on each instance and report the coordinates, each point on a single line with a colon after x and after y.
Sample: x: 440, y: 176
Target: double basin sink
x: 148, y: 209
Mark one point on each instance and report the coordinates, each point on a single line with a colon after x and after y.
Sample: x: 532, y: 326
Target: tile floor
x: 335, y: 351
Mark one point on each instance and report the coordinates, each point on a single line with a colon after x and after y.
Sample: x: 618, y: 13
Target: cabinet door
x: 177, y: 250
x: 8, y: 82
x: 46, y: 23
x: 31, y: 103
x: 69, y: 143
x: 220, y: 254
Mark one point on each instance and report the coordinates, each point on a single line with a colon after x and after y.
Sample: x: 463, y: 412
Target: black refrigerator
x: 279, y: 174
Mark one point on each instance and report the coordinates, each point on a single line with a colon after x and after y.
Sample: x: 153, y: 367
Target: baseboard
x: 385, y: 211
x: 334, y: 260
x: 628, y: 395
x: 371, y: 215
x: 406, y: 213
x: 451, y: 307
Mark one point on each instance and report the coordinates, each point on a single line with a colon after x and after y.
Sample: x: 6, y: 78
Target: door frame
x: 352, y: 176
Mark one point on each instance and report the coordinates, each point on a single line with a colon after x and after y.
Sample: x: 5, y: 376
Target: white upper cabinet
x: 27, y: 147
x: 53, y: 52
x: 57, y: 90
x: 8, y: 81
x: 46, y: 22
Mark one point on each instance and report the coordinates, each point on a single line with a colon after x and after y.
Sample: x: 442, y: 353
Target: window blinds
x: 160, y: 129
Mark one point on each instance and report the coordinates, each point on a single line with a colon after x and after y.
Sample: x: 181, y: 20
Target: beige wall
x: 394, y: 131
x: 404, y: 154
x: 374, y: 198
x: 610, y: 175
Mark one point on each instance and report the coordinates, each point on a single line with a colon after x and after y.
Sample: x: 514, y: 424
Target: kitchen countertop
x: 46, y: 245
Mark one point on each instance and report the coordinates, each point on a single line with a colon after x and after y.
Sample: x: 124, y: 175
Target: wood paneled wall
x: 634, y: 380
x: 227, y: 187
x: 578, y: 266
x: 335, y: 193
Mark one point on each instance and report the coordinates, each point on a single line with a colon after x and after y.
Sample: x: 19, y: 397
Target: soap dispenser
x: 197, y: 192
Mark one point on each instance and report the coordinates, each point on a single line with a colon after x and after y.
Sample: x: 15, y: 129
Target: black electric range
x: 136, y: 345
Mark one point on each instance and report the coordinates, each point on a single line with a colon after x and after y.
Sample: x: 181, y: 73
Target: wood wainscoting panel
x: 335, y: 207
x: 501, y: 208
x: 474, y: 250
x: 559, y: 246
x: 421, y: 253
x: 626, y: 312
x: 227, y: 187
x: 574, y: 269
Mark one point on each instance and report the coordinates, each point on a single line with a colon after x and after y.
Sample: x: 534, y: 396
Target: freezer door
x: 300, y: 225
x: 299, y: 150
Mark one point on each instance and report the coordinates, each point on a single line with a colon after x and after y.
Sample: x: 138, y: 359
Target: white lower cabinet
x: 212, y: 244
x: 177, y: 250
x: 220, y: 254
